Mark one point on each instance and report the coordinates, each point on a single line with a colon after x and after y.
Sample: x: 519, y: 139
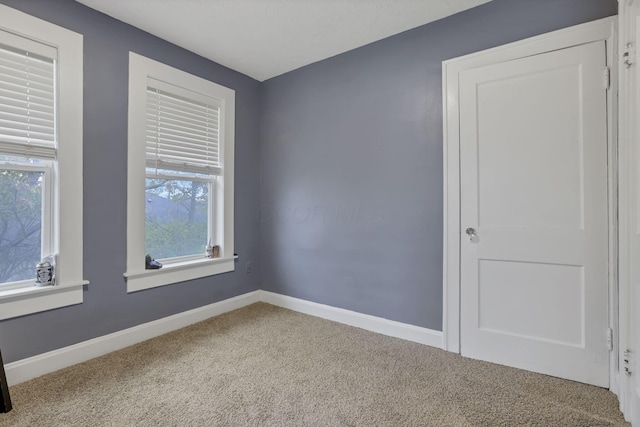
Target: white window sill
x: 33, y: 299
x: 178, y: 272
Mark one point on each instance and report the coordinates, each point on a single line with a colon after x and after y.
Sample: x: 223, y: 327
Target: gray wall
x: 351, y: 162
x: 107, y: 307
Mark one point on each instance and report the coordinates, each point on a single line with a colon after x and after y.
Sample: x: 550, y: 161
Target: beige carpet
x: 266, y: 366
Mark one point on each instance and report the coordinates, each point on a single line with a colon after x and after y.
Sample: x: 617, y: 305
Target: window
x: 182, y: 163
x: 27, y: 156
x: 40, y: 162
x: 180, y: 174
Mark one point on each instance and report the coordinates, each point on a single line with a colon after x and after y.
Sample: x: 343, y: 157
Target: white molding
x: 32, y: 367
x: 23, y: 301
x: 597, y: 30
x: 628, y: 131
x: 168, y: 274
x: 614, y: 203
x: 602, y: 29
x: 364, y: 321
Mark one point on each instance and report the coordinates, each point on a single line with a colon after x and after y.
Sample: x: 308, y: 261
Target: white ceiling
x: 266, y: 38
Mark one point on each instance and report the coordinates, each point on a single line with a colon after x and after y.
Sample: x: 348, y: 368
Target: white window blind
x: 182, y: 134
x: 27, y: 104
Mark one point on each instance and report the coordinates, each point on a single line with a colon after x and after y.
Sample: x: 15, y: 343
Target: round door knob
x: 471, y: 232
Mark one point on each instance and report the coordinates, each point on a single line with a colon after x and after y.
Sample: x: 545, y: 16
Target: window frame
x: 221, y: 202
x: 67, y: 210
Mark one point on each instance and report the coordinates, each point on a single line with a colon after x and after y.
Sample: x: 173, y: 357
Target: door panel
x: 537, y: 149
x: 527, y: 286
x: 533, y: 161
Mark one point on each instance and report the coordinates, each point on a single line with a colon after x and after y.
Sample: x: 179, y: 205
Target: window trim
x: 140, y: 70
x: 67, y: 216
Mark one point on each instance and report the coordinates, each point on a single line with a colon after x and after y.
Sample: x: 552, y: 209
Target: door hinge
x: 628, y: 56
x: 627, y: 361
x: 607, y: 78
x: 610, y: 339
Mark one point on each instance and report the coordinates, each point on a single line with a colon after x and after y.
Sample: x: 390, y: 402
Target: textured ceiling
x: 266, y: 38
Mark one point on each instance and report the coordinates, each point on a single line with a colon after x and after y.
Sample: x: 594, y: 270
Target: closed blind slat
x: 21, y: 81
x: 19, y: 149
x: 13, y: 134
x: 184, y: 153
x: 175, y: 135
x: 24, y: 125
x: 22, y: 85
x: 15, y: 117
x: 192, y: 128
x: 170, y: 110
x: 31, y: 67
x: 33, y: 96
x: 181, y: 167
x: 20, y: 74
x: 22, y: 112
x: 178, y: 144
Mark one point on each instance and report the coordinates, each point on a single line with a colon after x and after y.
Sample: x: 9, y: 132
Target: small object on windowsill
x: 208, y: 250
x: 151, y: 264
x: 45, y: 271
x: 212, y: 251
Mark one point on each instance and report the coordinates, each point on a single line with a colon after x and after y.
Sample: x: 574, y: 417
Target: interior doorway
x: 527, y: 214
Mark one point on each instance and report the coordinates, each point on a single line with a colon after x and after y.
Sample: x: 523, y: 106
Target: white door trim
x: 628, y: 389
x: 600, y: 30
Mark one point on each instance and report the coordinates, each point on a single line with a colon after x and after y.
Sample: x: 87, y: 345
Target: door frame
x: 629, y: 131
x: 601, y: 30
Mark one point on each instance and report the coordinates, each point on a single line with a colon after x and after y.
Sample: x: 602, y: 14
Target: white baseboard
x: 371, y: 323
x: 32, y: 367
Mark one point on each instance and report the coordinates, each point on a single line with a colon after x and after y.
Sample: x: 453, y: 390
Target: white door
x: 533, y: 178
